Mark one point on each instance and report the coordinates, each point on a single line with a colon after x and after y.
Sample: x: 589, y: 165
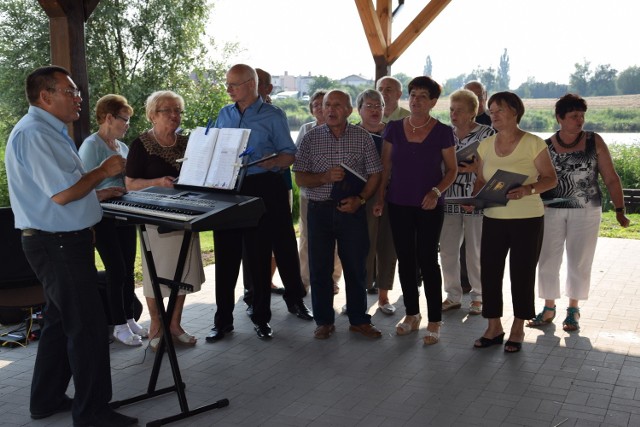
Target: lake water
x: 609, y: 137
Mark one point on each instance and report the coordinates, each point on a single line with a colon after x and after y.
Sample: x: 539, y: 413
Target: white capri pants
x: 454, y: 228
x: 577, y: 229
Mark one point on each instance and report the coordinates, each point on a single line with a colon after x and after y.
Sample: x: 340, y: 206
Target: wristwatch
x: 618, y: 210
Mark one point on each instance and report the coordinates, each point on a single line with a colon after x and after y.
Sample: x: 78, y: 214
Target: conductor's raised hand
x: 113, y: 165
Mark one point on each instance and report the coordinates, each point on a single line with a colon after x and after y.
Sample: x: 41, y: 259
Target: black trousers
x: 116, y: 244
x: 74, y: 340
x: 416, y: 234
x: 274, y: 232
x: 522, y: 239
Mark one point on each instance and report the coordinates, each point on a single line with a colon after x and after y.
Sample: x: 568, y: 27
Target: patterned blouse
x: 577, y: 176
x: 463, y: 185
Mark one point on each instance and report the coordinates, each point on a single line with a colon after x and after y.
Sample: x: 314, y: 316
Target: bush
x: 626, y: 160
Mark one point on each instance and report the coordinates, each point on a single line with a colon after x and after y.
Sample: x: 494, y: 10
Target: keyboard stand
x: 165, y: 319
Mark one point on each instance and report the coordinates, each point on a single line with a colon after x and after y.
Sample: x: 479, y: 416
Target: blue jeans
x: 326, y: 227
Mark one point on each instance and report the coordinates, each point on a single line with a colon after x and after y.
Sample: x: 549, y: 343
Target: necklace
x: 175, y: 139
x: 418, y: 127
x: 571, y: 145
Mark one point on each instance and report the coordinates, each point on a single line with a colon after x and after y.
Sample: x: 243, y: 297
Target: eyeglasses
x: 124, y: 119
x: 236, y: 85
x: 177, y: 111
x: 74, y: 93
x: 373, y: 106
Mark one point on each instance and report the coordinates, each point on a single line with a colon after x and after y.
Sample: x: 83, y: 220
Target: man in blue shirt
x: 55, y: 205
x: 269, y: 134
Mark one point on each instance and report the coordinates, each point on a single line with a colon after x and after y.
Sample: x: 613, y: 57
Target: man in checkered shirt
x: 317, y: 167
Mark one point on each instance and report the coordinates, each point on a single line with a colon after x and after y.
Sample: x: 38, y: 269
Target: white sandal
x: 409, y: 324
x: 432, y: 337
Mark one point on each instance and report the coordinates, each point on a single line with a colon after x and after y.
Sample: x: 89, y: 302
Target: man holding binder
x: 269, y: 135
x: 326, y: 155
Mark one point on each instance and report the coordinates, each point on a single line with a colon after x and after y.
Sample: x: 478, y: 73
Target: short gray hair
x: 371, y: 94
x: 151, y: 104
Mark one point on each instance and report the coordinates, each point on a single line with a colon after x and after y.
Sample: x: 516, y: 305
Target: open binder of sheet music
x: 212, y: 158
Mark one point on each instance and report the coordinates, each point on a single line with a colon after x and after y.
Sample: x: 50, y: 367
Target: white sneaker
x: 387, y: 308
x: 137, y: 329
x: 123, y: 334
x: 343, y: 310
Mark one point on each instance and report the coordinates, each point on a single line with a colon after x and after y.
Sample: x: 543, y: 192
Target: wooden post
x: 66, y: 32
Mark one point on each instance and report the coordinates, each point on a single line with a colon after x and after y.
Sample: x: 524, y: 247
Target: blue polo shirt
x: 42, y: 161
x: 269, y: 130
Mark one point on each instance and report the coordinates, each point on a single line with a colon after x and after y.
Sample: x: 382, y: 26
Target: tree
x: 322, y: 82
x: 488, y: 77
x: 603, y: 82
x: 533, y: 89
x: 503, y: 79
x: 579, y: 79
x: 24, y: 45
x: 133, y: 48
x: 428, y: 67
x: 629, y: 81
x: 452, y: 84
x: 404, y: 79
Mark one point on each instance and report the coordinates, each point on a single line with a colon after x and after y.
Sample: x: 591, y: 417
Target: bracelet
x: 435, y: 190
x: 619, y: 210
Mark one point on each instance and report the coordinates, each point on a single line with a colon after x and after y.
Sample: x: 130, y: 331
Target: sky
x: 544, y: 38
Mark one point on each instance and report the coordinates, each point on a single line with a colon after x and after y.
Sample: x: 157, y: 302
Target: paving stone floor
x: 588, y: 378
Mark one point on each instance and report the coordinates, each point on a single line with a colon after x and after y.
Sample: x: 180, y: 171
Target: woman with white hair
x: 153, y: 161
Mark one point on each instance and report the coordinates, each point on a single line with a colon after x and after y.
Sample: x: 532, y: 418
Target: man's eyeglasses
x: 74, y: 93
x: 177, y: 111
x: 373, y: 106
x: 124, y: 119
x: 236, y: 85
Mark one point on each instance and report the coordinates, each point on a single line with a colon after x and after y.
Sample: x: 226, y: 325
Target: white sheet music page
x: 225, y: 162
x: 198, y: 157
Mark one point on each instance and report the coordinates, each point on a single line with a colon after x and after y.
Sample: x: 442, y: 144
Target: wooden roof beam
x: 415, y: 28
x: 376, y: 23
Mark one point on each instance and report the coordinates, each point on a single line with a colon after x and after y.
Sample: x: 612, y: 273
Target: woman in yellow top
x: 516, y: 228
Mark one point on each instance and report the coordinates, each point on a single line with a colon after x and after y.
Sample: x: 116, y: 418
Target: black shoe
x: 263, y: 330
x: 64, y: 406
x: 109, y: 418
x: 299, y: 309
x: 217, y: 334
x: 249, y: 311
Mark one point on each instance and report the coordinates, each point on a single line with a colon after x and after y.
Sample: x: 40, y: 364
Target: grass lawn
x: 608, y: 228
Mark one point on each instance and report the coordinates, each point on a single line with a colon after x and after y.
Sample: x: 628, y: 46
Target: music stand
x: 165, y: 316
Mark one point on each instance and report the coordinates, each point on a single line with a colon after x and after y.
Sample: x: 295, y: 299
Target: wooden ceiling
x: 67, y: 19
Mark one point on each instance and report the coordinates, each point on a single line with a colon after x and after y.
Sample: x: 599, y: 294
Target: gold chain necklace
x: 418, y: 127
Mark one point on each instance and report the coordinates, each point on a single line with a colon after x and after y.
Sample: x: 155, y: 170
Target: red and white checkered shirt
x: 320, y: 150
